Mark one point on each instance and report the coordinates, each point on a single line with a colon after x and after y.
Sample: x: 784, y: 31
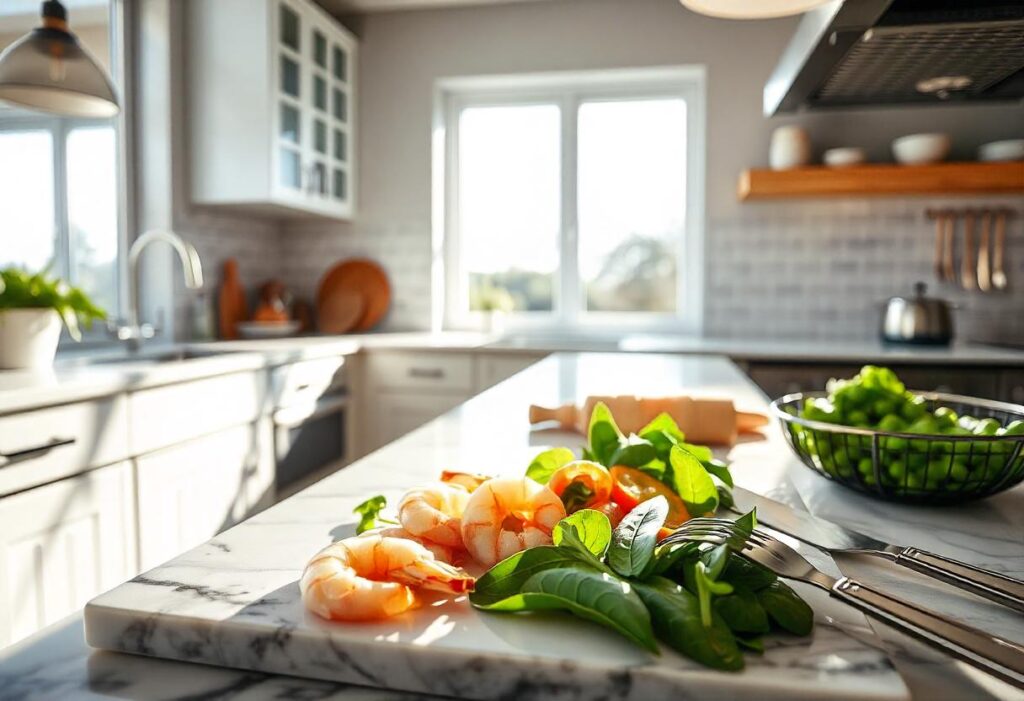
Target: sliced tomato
x: 631, y: 486
x: 612, y: 510
x: 581, y: 484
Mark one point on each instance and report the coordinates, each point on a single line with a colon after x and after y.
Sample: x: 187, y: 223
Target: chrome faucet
x: 134, y: 332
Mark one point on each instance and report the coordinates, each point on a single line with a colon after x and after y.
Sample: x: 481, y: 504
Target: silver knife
x: 833, y: 538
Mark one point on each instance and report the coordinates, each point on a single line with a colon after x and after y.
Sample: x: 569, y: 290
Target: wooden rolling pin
x: 706, y: 421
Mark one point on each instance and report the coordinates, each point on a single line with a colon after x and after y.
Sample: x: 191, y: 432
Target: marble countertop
x: 56, y: 663
x: 76, y: 376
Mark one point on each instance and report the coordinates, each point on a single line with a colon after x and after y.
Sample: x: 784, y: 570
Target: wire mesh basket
x: 910, y: 467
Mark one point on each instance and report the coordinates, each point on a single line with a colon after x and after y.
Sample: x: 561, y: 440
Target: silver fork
x: 995, y: 655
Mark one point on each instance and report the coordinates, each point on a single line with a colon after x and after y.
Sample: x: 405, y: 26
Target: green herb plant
x: 369, y: 513
x: 22, y: 290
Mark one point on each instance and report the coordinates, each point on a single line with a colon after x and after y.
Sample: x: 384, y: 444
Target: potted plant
x: 32, y: 308
x: 495, y: 303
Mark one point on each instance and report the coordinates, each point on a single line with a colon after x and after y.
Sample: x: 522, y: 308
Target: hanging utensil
x: 984, y: 271
x: 948, y: 271
x: 999, y: 280
x: 968, y: 277
x: 940, y: 233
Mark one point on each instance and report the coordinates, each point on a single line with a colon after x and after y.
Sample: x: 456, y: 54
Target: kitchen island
x: 490, y: 434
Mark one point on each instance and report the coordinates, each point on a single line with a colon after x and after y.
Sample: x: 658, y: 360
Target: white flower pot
x: 28, y: 338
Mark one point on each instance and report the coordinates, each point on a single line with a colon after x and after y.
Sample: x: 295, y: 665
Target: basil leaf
x: 633, y: 451
x: 368, y: 512
x: 547, y: 463
x: 664, y: 424
x: 715, y: 560
x: 786, y: 608
x: 755, y: 644
x: 706, y: 588
x: 701, y: 452
x: 692, y: 483
x: 720, y: 470
x: 587, y: 530
x: 508, y: 576
x: 675, y: 614
x: 591, y: 595
x: 742, y: 612
x: 636, y: 535
x: 725, y: 498
x: 741, y: 572
x: 603, y: 434
x: 655, y: 468
x: 667, y: 557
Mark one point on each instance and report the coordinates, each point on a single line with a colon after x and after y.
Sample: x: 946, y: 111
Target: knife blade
x: 831, y: 537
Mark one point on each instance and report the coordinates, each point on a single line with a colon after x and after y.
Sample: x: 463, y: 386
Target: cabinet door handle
x: 427, y: 373
x: 21, y: 455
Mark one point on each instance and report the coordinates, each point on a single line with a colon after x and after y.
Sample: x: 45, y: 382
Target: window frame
x: 59, y: 129
x: 567, y: 90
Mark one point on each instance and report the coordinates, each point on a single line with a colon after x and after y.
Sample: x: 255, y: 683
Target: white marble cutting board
x: 234, y: 601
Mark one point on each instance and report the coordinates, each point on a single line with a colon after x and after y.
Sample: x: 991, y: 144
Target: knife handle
x: 990, y: 585
x: 995, y: 655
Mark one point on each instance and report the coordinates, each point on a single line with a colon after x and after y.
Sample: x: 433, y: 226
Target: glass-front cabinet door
x: 340, y: 120
x: 292, y: 126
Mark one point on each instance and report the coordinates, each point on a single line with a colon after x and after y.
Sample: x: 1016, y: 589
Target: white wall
x: 404, y: 53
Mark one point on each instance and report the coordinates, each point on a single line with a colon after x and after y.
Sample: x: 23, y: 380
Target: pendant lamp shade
x: 751, y: 9
x: 47, y: 69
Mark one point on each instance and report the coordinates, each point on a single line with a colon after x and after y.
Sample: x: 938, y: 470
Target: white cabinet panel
x: 492, y: 368
x: 397, y: 413
x: 192, y: 491
x: 61, y: 545
x: 427, y: 371
x: 44, y: 445
x: 163, y: 416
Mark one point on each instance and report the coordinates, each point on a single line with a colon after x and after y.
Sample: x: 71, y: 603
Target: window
x: 574, y: 199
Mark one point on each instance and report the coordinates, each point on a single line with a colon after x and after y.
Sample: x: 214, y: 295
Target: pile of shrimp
x: 459, y: 519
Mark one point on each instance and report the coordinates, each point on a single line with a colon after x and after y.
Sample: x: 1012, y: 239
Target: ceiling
x: 340, y: 7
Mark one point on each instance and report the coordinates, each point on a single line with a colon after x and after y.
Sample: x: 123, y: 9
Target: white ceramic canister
x: 790, y: 148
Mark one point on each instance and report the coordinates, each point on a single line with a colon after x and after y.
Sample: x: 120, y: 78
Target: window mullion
x: 60, y: 200
x: 569, y: 290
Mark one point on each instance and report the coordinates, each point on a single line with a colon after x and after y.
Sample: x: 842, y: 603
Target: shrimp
x: 370, y: 577
x: 434, y: 512
x: 464, y: 479
x: 509, y: 514
x: 440, y: 552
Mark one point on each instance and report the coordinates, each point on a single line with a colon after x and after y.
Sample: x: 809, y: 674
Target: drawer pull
x: 20, y: 455
x: 427, y: 373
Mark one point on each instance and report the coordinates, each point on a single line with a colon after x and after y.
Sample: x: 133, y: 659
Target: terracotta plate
x: 363, y: 278
x: 340, y: 312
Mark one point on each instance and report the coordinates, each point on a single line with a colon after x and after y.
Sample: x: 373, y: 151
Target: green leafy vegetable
x: 675, y: 614
x: 603, y: 434
x: 587, y: 530
x: 369, y: 513
x: 725, y: 498
x: 589, y: 594
x: 508, y: 576
x: 636, y: 535
x: 22, y: 290
x: 576, y: 495
x: 633, y: 451
x: 667, y: 557
x: 706, y: 588
x: 720, y: 470
x: 742, y: 612
x: 786, y: 608
x: 547, y: 463
x: 701, y: 452
x: 692, y: 482
x: 753, y: 643
x: 741, y: 572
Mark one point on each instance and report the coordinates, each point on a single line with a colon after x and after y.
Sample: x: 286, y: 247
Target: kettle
x: 918, y: 319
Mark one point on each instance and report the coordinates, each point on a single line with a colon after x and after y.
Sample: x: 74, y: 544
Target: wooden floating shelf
x: 883, y: 180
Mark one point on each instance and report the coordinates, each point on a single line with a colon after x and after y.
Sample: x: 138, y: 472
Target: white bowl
x: 846, y: 156
x: 1007, y: 150
x: 921, y: 149
x: 267, y: 329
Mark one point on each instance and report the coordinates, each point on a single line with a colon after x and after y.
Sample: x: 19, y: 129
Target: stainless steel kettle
x: 919, y: 319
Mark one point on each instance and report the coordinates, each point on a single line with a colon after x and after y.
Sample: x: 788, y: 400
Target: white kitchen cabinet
x: 272, y: 103
x: 190, y: 492
x: 492, y: 368
x: 62, y: 544
x: 395, y: 414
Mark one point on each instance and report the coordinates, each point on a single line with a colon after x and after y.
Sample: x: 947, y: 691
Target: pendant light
x: 47, y: 69
x: 751, y: 9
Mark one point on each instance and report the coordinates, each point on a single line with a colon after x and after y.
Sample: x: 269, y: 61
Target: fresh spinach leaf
x: 369, y: 513
x: 742, y: 612
x: 701, y: 452
x: 664, y: 424
x: 707, y: 587
x: 636, y: 535
x: 603, y: 434
x: 587, y: 530
x: 715, y: 560
x: 675, y: 614
x: 741, y: 572
x: 692, y: 482
x: 725, y: 498
x: 786, y: 608
x: 508, y: 576
x: 720, y: 470
x: 547, y: 463
x: 633, y: 451
x: 667, y: 557
x: 656, y: 469
x: 753, y: 643
x: 589, y: 594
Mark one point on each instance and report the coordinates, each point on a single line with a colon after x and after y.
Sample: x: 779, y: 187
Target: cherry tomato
x: 580, y: 484
x: 631, y: 486
x: 610, y: 509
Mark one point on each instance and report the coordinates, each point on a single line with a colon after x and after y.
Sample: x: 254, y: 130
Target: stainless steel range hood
x: 897, y: 52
